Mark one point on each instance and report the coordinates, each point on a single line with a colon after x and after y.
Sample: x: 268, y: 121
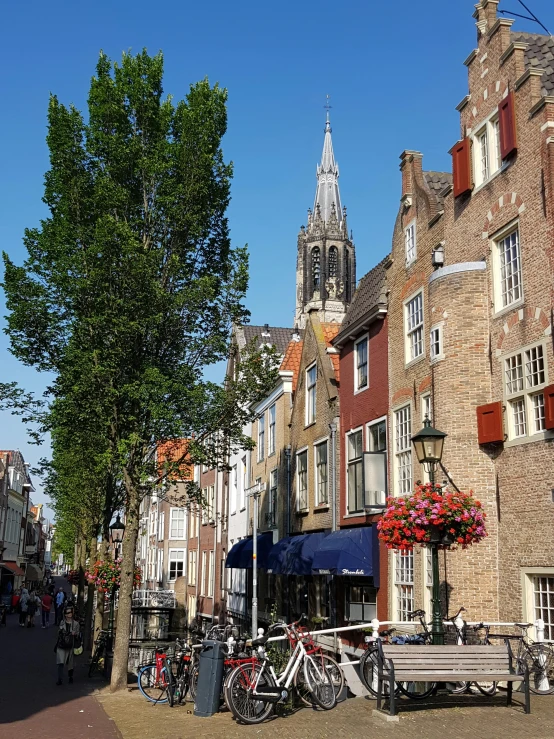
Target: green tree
x: 131, y: 285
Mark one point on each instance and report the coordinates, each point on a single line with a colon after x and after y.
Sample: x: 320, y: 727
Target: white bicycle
x: 253, y: 690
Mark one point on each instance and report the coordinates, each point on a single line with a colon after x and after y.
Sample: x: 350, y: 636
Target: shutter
x: 461, y: 167
x: 549, y: 407
x: 507, y: 125
x: 490, y: 427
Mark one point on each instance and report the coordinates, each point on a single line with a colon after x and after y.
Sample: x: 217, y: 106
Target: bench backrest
x: 465, y: 658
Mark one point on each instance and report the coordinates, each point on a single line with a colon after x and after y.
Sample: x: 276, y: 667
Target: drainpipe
x: 216, y: 490
x: 287, y: 530
x: 333, y: 427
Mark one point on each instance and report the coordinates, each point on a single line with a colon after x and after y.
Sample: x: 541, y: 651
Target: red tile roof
x: 172, y: 451
x: 330, y: 330
x: 291, y: 361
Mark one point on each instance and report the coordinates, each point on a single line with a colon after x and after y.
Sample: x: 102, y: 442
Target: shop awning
x: 240, y: 556
x: 34, y: 573
x: 349, y: 552
x: 299, y: 554
x: 276, y: 557
x: 13, y: 567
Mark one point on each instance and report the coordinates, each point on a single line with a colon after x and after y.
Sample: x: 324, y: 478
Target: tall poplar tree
x: 131, y: 285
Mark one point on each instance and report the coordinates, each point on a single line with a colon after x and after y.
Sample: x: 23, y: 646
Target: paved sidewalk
x: 476, y: 717
x: 31, y: 704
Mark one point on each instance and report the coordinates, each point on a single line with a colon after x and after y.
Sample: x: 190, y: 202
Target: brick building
x: 471, y: 342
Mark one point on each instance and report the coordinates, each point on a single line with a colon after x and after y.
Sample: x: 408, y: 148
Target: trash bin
x: 210, y: 677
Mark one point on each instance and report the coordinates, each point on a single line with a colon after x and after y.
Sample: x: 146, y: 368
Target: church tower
x: 326, y: 260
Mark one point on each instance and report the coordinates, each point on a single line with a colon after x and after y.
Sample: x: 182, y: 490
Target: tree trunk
x: 121, y: 651
x: 82, y: 552
x: 100, y: 597
x: 90, y: 597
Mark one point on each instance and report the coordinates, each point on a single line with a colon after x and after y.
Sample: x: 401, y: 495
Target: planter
x: 438, y: 536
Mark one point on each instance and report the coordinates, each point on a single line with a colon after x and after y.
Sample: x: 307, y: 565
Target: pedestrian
x: 46, y: 605
x: 23, y: 606
x: 32, y: 607
x: 16, y: 595
x: 60, y: 601
x: 68, y: 640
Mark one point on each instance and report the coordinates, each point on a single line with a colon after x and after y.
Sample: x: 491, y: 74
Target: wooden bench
x: 438, y: 663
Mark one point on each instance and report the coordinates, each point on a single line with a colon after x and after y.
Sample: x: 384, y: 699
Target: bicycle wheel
x: 459, y: 687
x: 337, y: 675
x: 243, y: 705
x: 416, y: 690
x: 153, y: 688
x: 368, y: 671
x: 540, y: 660
x: 320, y: 683
x: 95, y: 661
x: 486, y: 688
x: 171, y: 682
x: 193, y: 684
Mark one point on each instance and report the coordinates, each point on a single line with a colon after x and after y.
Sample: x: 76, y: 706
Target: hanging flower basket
x: 105, y: 575
x: 73, y: 577
x: 432, y: 516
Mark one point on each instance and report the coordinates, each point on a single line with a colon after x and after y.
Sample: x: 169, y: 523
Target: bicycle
x: 99, y: 652
x: 154, y: 679
x: 253, y: 690
x: 461, y: 630
x: 538, y: 656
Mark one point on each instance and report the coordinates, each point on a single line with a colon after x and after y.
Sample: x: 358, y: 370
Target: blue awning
x: 241, y: 555
x: 299, y: 554
x: 349, y: 552
x: 276, y: 558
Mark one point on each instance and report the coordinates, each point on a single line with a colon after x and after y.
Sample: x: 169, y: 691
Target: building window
x: 234, y: 488
x: 321, y: 475
x: 261, y: 437
x: 360, y: 603
x: 427, y: 561
x: 543, y: 596
x: 203, y: 574
x: 311, y: 380
x: 244, y: 484
x: 410, y: 241
x: 316, y: 268
x: 161, y: 565
x: 177, y: 523
x: 525, y: 377
x: 161, y: 525
x: 205, y: 506
x: 435, y: 343
x: 426, y: 407
x: 192, y: 566
x: 414, y: 327
x: 354, y: 472
x: 176, y: 563
x: 377, y: 436
x: 272, y: 502
x: 361, y: 364
x: 271, y: 437
x: 211, y: 574
x: 486, y: 151
x: 509, y: 278
x: 403, y: 450
x: 302, y: 480
x: 404, y: 583
x: 333, y: 261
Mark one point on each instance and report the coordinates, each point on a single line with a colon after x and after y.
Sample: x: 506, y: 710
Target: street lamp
x: 428, y: 444
x: 117, y: 530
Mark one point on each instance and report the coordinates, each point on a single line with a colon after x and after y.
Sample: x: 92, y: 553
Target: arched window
x: 316, y: 267
x: 333, y: 261
x: 346, y: 275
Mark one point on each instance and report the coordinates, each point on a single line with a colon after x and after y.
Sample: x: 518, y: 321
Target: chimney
x: 486, y: 16
x: 410, y: 165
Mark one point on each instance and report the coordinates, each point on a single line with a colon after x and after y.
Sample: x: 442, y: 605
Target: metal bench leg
x: 379, y: 692
x: 392, y: 697
x: 509, y: 696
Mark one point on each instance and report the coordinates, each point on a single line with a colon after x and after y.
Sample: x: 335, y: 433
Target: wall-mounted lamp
x: 437, y: 258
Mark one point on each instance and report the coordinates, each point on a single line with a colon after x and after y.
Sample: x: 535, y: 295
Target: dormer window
x: 486, y: 150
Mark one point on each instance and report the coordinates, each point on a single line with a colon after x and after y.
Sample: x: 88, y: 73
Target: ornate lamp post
x: 428, y: 444
x: 117, y: 531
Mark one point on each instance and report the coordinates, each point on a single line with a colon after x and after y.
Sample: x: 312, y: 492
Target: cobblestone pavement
x: 465, y: 716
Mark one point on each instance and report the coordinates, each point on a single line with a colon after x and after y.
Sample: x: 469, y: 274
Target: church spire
x: 327, y: 191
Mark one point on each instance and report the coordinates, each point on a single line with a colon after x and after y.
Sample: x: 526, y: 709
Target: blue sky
x: 394, y: 72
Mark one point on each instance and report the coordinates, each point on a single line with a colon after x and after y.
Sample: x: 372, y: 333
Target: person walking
x: 32, y: 608
x: 46, y: 605
x: 68, y: 640
x: 23, y: 606
x: 60, y: 601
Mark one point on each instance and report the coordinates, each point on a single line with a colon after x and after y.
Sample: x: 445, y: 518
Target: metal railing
x: 154, y: 599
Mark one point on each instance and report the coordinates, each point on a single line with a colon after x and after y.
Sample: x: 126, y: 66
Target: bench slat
x: 451, y: 676
x: 440, y: 649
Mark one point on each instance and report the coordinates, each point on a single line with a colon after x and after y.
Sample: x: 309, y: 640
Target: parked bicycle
x: 253, y: 690
x: 99, y: 653
x: 461, y: 632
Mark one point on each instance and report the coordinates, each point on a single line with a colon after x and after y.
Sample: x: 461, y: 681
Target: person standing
x: 68, y: 633
x: 46, y: 605
x: 32, y: 607
x: 23, y: 606
x: 60, y: 601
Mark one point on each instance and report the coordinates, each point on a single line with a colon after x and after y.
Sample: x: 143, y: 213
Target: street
x: 31, y: 704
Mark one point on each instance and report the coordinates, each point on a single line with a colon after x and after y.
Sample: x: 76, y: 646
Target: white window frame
x: 490, y: 152
x: 160, y: 577
x: 272, y: 424
x: 211, y: 573
x: 261, y: 437
x: 272, y: 499
x: 357, y: 387
x: 497, y: 239
x: 426, y: 407
x: 519, y: 394
x: 170, y: 559
x: 311, y: 395
x: 234, y: 488
x: 243, y: 482
x: 404, y: 585
x: 436, y: 336
x: 400, y: 488
x: 427, y: 579
x: 324, y: 500
x: 358, y: 463
x: 205, y: 508
x: 204, y: 560
x: 161, y: 526
x: 367, y: 608
x: 376, y: 422
x: 418, y: 329
x: 299, y: 453
x: 172, y: 516
x: 193, y: 562
x: 410, y: 242
x: 530, y: 609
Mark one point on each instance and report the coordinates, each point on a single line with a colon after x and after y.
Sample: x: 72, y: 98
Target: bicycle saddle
x: 260, y: 641
x: 387, y: 632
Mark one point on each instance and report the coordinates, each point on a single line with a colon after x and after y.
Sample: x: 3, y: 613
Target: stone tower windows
x: 333, y: 261
x: 316, y: 268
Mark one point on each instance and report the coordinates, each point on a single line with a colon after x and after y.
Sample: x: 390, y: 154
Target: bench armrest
x: 382, y: 662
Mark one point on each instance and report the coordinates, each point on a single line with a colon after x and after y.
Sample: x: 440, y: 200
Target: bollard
x: 210, y: 678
